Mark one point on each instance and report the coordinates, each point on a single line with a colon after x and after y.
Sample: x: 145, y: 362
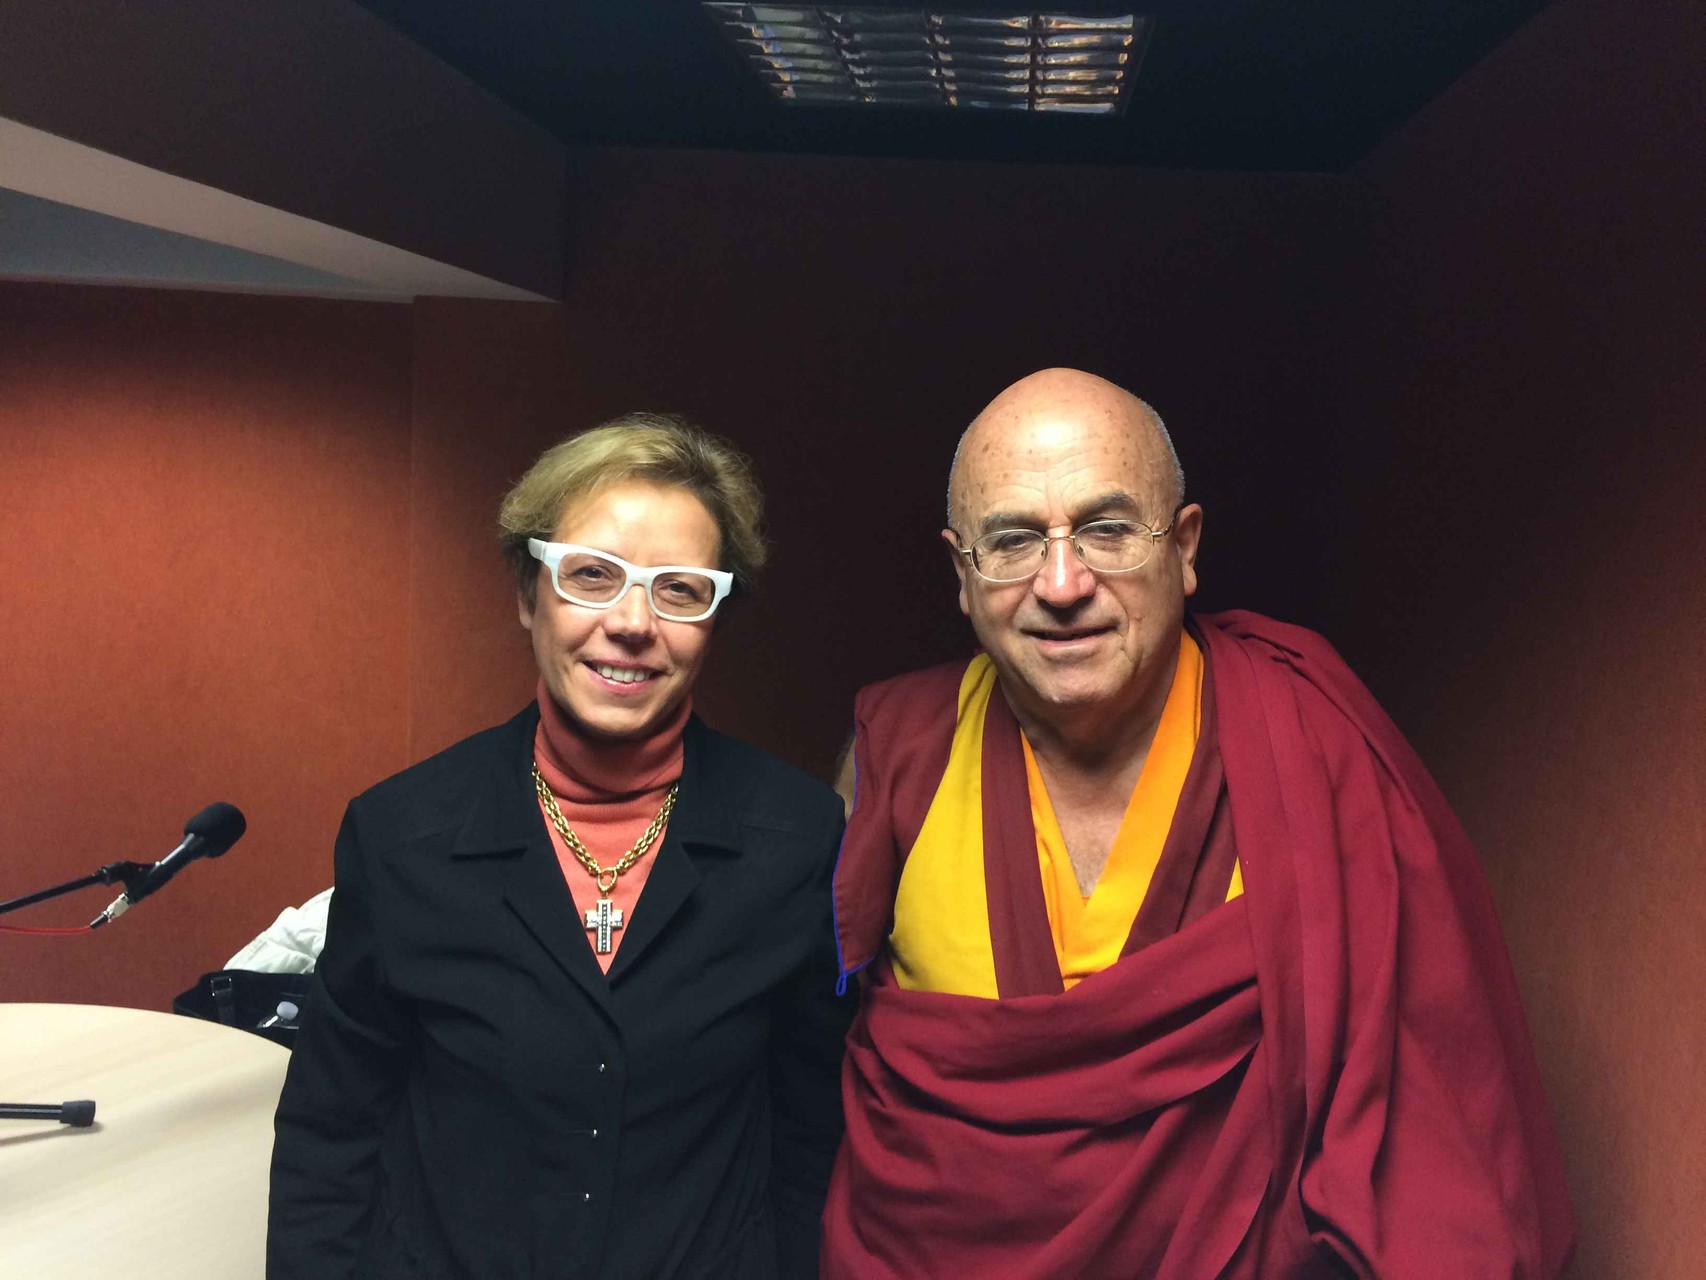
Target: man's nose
x: 1064, y: 579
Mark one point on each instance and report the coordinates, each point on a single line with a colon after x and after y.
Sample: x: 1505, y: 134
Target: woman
x: 575, y: 1015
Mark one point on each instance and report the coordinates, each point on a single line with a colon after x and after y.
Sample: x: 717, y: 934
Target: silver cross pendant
x: 606, y: 917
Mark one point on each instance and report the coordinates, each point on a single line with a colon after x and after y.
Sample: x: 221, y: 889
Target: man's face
x: 620, y: 672
x: 1070, y: 640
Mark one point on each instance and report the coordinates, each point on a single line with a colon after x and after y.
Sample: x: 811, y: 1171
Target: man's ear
x: 1187, y: 538
x: 961, y: 567
x: 524, y: 609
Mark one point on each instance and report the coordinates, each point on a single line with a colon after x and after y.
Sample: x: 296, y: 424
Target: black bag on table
x: 247, y: 998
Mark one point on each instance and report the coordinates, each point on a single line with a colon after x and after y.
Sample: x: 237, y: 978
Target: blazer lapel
x: 505, y: 822
x: 538, y: 894
x: 671, y: 882
x: 702, y: 826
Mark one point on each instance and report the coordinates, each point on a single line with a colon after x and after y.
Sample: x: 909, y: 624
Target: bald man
x: 1177, y: 965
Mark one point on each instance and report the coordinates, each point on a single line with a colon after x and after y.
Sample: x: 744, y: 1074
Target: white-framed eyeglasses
x: 1105, y: 546
x: 596, y: 579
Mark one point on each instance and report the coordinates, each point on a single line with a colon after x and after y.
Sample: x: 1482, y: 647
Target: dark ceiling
x: 1225, y: 84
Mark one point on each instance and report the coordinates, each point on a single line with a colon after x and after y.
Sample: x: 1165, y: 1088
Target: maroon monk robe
x: 1328, y: 1075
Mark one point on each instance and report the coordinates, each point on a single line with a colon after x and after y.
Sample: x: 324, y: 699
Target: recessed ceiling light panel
x: 817, y: 55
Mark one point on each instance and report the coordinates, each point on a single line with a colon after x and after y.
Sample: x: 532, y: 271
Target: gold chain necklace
x: 605, y: 916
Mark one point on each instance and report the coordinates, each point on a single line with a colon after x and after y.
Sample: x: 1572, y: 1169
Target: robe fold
x: 1328, y: 1075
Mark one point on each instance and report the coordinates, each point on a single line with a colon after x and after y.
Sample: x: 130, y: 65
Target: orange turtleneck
x: 609, y: 792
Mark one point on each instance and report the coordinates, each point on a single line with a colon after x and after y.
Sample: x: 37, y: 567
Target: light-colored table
x: 171, y: 1180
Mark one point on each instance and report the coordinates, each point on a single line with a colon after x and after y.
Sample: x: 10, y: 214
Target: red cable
x: 24, y: 928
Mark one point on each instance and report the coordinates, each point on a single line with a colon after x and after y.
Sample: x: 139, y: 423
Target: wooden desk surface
x: 171, y: 1180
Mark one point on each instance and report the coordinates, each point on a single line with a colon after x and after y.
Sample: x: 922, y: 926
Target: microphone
x: 207, y: 835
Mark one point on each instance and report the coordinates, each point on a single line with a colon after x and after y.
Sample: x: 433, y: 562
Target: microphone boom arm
x: 113, y: 871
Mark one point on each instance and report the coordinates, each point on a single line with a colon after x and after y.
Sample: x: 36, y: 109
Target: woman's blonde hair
x: 655, y: 447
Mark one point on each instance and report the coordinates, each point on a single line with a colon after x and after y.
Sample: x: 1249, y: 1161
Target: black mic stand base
x: 79, y: 1115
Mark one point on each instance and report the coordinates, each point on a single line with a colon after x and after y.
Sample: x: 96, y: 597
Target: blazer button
x: 586, y: 1196
x: 594, y: 1133
x: 601, y: 1068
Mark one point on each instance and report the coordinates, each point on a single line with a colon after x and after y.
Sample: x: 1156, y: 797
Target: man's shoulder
x: 1300, y: 666
x: 905, y: 725
x: 930, y: 687
x: 1293, y: 653
x: 1281, y: 641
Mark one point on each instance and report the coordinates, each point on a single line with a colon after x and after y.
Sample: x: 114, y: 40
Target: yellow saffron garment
x: 940, y: 939
x: 1089, y: 933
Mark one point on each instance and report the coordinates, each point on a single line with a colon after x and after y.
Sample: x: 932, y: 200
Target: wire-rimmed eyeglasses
x: 596, y: 580
x: 1105, y: 546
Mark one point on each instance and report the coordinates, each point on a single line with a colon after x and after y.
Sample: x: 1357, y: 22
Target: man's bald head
x: 1080, y: 650
x: 1067, y: 399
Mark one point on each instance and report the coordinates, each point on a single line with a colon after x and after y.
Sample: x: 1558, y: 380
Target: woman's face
x: 590, y: 658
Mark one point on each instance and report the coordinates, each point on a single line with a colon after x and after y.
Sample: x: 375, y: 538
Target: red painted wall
x: 202, y: 506
x: 1524, y: 408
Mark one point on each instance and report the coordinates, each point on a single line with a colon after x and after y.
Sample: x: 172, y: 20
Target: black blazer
x: 471, y: 1096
